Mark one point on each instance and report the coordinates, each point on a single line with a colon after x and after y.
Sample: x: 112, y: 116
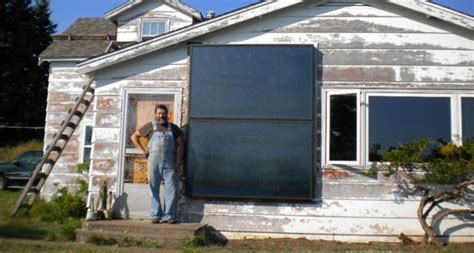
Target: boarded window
x: 251, y: 122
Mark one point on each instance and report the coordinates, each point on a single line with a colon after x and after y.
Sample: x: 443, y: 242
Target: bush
x: 63, y: 206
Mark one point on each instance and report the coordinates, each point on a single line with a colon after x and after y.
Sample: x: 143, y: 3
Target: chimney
x: 211, y: 14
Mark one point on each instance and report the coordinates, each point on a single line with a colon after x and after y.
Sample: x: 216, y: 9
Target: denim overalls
x: 161, y: 166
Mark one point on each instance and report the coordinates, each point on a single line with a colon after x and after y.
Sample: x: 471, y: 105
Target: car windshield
x: 30, y: 158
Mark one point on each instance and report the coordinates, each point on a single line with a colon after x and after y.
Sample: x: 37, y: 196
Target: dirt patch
x: 304, y: 245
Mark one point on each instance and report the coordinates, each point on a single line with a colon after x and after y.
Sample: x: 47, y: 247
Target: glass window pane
x: 154, y: 28
x: 467, y: 119
x: 397, y: 120
x: 87, y: 155
x: 343, y: 128
x: 88, y: 136
x: 146, y: 28
x: 161, y: 27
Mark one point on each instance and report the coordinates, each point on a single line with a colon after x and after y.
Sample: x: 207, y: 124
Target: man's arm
x: 135, y: 136
x: 179, y: 152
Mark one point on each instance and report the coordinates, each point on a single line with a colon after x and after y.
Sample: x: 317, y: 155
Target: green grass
x: 31, y: 226
x: 8, y: 154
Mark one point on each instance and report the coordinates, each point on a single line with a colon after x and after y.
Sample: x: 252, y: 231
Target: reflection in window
x: 467, y: 119
x: 397, y: 120
x: 343, y: 127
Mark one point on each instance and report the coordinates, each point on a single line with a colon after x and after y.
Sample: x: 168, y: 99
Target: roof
x: 75, y: 49
x: 85, y: 38
x: 250, y: 12
x: 112, y: 15
x: 92, y: 26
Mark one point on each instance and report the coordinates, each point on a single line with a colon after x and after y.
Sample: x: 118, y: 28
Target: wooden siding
x: 359, y: 46
x: 65, y: 84
x: 129, y: 22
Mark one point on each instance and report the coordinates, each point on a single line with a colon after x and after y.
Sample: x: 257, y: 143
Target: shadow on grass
x: 13, y: 231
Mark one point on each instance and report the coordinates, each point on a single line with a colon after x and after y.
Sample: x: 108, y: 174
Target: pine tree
x: 25, y: 31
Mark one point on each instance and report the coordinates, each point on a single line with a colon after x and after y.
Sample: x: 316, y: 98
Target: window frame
x: 459, y: 137
x: 166, y: 22
x: 327, y: 126
x: 455, y: 97
x: 84, y: 145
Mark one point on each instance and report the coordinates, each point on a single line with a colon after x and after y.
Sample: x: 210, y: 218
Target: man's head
x: 161, y: 114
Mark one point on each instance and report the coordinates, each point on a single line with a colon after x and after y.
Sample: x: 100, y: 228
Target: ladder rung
x: 56, y: 149
x: 42, y: 175
x: 50, y: 161
x: 78, y: 114
x: 85, y: 102
x: 64, y: 136
x: 24, y: 206
x: 71, y: 125
x: 33, y: 190
x: 89, y: 89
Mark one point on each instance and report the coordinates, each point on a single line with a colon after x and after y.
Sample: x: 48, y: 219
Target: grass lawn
x: 30, y: 226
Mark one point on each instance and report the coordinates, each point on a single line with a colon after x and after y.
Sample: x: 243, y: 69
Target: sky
x: 65, y: 12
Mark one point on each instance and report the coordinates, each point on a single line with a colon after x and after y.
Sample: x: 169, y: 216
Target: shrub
x: 63, y: 206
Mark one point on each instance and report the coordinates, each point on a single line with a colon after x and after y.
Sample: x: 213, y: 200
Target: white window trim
x: 167, y: 26
x: 327, y: 126
x: 459, y: 138
x: 402, y: 94
x: 455, y: 97
x: 83, y: 146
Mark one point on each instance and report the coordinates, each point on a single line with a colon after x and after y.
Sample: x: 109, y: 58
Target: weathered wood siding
x: 64, y: 86
x: 359, y: 47
x: 129, y: 23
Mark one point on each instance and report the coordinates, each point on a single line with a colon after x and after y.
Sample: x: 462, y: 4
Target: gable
x: 256, y: 12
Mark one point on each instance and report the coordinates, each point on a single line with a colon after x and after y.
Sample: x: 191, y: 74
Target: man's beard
x: 162, y: 121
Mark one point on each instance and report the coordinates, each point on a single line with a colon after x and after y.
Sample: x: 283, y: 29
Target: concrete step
x: 167, y: 235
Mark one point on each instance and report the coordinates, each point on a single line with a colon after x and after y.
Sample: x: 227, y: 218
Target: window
x: 343, y: 127
x: 362, y: 125
x: 152, y: 28
x: 394, y: 120
x: 467, y: 109
x: 87, y: 144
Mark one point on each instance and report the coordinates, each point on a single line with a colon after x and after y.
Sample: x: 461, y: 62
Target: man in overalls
x: 165, y: 156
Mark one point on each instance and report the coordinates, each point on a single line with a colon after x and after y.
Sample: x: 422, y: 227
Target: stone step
x: 168, y: 235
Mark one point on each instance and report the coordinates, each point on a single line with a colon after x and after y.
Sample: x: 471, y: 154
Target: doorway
x: 139, y: 109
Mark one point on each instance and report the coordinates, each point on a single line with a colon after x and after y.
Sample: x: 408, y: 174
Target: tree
x: 443, y: 174
x: 25, y: 31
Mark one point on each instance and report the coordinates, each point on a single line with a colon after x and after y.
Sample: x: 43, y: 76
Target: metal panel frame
x: 313, y: 123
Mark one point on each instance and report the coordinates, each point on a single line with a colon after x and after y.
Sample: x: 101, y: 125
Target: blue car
x: 17, y: 173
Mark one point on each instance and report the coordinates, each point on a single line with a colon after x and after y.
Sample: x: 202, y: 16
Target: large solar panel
x: 251, y: 122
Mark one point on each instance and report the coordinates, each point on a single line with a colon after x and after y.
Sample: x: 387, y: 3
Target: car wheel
x: 3, y: 183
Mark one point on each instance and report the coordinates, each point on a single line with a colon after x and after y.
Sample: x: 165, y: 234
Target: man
x: 165, y: 155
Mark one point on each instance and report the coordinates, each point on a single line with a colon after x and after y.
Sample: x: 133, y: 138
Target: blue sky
x: 65, y: 12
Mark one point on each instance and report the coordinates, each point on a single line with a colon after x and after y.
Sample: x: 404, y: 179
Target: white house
x: 285, y: 105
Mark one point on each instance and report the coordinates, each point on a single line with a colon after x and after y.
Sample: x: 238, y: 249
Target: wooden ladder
x: 54, y: 149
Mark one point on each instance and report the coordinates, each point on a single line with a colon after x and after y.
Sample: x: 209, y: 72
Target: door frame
x: 126, y: 93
